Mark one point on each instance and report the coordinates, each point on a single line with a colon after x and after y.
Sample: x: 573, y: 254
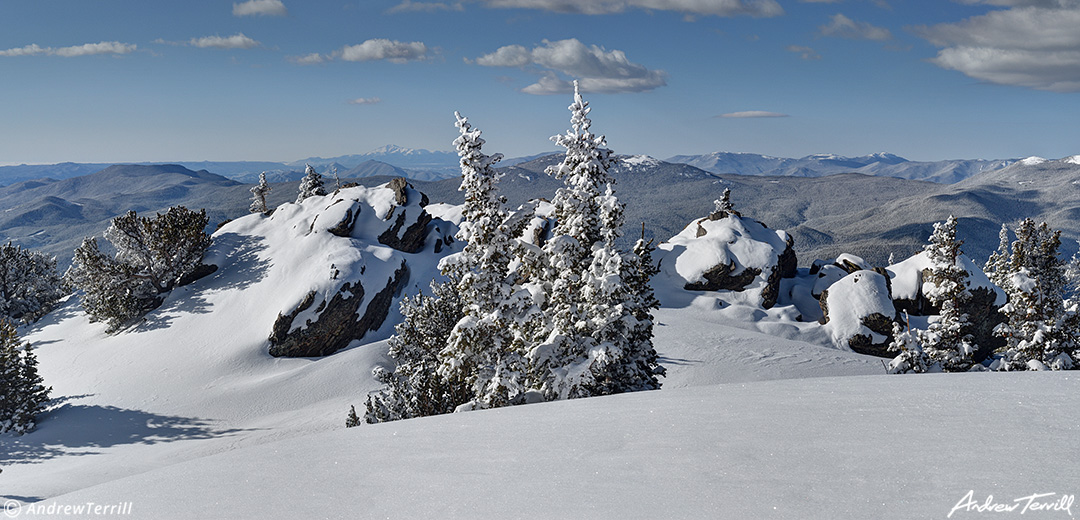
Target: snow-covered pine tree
x: 22, y: 391
x: 911, y: 357
x: 724, y: 207
x: 947, y: 341
x: 258, y: 195
x: 153, y: 255
x: 997, y: 266
x: 415, y: 388
x: 595, y: 342
x: 310, y: 185
x: 486, y: 349
x: 30, y: 286
x: 1039, y: 332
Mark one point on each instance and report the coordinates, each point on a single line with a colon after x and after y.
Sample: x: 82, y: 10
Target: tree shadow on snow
x: 73, y: 430
x: 239, y: 267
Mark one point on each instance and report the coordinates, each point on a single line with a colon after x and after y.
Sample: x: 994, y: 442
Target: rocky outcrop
x: 338, y: 321
x: 412, y: 239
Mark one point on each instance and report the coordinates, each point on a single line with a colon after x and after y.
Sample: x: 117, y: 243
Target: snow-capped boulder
x: 343, y: 259
x: 858, y: 312
x: 727, y: 252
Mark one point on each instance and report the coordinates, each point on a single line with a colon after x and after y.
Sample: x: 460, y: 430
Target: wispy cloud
x: 260, y: 8
x: 408, y: 6
x: 757, y: 8
x: 598, y: 69
x: 365, y: 101
x: 87, y: 49
x: 236, y: 41
x: 749, y: 114
x: 805, y: 53
x: 1034, y: 45
x: 308, y: 59
x: 843, y: 27
x: 383, y: 49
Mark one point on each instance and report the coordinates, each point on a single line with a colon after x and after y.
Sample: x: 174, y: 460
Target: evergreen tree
x: 947, y: 341
x: 310, y: 185
x: 724, y: 207
x: 258, y: 195
x: 22, y: 391
x: 1039, y: 332
x: 352, y: 420
x: 486, y: 347
x: 415, y: 388
x: 911, y: 357
x: 596, y: 322
x: 153, y: 255
x: 29, y: 284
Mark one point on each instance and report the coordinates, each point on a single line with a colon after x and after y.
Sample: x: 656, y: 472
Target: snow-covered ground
x: 188, y: 416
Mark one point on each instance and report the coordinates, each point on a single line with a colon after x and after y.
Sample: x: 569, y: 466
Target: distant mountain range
x: 425, y: 165
x: 820, y: 165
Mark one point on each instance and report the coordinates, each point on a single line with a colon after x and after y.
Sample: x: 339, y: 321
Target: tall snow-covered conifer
x: 1040, y: 333
x: 22, y: 391
x: 487, y: 346
x: 947, y: 341
x: 596, y: 322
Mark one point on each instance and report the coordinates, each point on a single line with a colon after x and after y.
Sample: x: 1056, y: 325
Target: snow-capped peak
x: 1075, y: 159
x: 393, y: 149
x: 638, y: 161
x: 1033, y: 160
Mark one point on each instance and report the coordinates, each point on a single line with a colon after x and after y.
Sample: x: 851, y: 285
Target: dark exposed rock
x: 719, y: 278
x: 412, y: 240
x: 984, y: 316
x: 344, y: 228
x: 401, y: 187
x: 337, y: 324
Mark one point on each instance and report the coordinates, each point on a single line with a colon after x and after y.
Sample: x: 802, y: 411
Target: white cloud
x: 87, y: 49
x: 408, y: 6
x: 383, y: 49
x: 236, y: 41
x: 597, y: 69
x: 805, y: 53
x: 308, y: 59
x: 260, y: 8
x: 844, y: 27
x: 365, y: 101
x: 1033, y: 47
x: 29, y: 50
x: 751, y: 114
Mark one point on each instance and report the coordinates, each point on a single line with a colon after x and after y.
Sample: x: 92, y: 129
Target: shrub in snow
x: 258, y: 195
x: 310, y: 185
x: 911, y: 357
x: 29, y: 284
x: 947, y: 341
x: 22, y: 392
x: 153, y: 255
x: 1041, y: 329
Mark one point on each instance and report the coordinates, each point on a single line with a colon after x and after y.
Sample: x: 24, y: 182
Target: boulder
x: 727, y: 252
x: 859, y: 313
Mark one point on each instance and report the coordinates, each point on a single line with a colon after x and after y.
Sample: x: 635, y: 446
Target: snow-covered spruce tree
x: 22, y: 391
x: 258, y: 195
x: 310, y: 185
x: 153, y: 255
x: 30, y: 286
x: 1039, y: 332
x: 947, y: 341
x: 415, y: 388
x: 997, y: 266
x: 486, y: 349
x: 911, y: 357
x: 585, y: 350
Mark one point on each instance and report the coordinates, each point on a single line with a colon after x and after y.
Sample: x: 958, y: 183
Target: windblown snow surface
x: 187, y: 416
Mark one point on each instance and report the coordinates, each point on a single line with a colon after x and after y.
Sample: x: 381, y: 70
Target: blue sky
x: 280, y: 80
